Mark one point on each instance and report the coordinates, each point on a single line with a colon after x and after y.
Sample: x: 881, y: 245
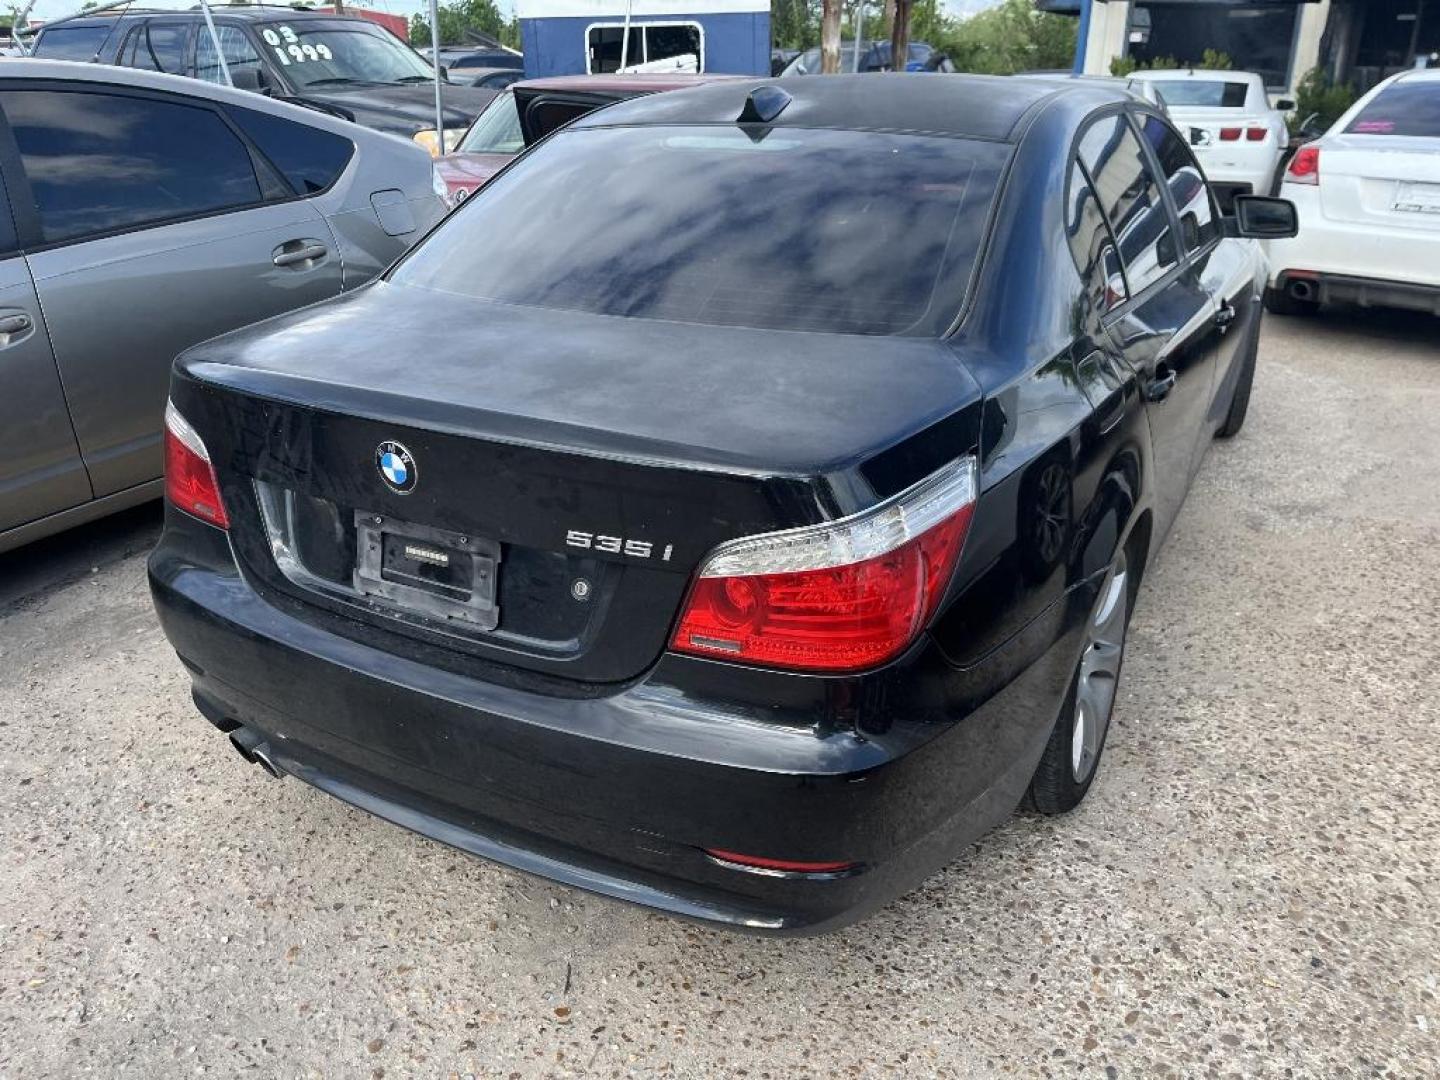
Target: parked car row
x: 349, y: 67
x: 644, y: 525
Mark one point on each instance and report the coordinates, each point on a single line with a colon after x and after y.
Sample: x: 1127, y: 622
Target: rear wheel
x: 1282, y: 303
x: 1072, y: 755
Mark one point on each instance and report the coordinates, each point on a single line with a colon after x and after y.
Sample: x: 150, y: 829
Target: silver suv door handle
x: 298, y: 251
x: 14, y: 324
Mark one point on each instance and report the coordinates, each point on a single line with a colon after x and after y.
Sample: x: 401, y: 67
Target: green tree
x: 1010, y: 37
x: 1316, y: 95
x: 459, y: 16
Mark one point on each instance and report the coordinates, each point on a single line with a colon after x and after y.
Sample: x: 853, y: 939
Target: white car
x: 1236, y: 135
x: 1368, y: 197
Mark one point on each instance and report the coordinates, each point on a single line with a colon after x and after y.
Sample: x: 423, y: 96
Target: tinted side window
x: 1199, y: 220
x: 156, y: 47
x: 311, y: 159
x: 240, y: 56
x: 1131, y: 199
x: 72, y: 42
x: 1092, y: 245
x: 100, y: 162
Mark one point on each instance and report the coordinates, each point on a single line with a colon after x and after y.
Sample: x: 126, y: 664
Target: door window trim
x: 644, y: 39
x: 187, y: 50
x: 30, y: 233
x: 1182, y: 261
x: 1137, y: 118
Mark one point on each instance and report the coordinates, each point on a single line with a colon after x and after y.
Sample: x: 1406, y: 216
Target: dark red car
x: 528, y: 111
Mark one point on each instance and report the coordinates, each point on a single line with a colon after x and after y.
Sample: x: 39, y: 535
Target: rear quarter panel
x: 1063, y: 436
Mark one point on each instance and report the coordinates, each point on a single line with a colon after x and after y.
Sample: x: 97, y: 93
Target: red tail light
x: 1304, y: 166
x: 189, y: 477
x: 1256, y: 134
x: 842, y: 596
x: 1229, y: 134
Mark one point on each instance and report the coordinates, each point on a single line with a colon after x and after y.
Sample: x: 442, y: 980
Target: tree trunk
x: 889, y: 16
x: 900, y: 36
x: 339, y: 6
x: 829, y: 37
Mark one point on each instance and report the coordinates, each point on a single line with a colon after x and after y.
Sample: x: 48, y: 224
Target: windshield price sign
x: 290, y: 49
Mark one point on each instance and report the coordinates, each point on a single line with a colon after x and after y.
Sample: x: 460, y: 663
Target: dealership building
x: 1360, y: 41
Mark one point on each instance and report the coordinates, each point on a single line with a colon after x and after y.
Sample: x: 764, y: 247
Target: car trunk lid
x: 1381, y: 179
x: 568, y: 471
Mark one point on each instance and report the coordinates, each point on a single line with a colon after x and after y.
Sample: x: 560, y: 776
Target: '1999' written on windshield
x: 288, y: 47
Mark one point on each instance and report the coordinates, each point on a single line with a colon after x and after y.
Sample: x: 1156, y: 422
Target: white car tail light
x: 842, y: 596
x: 1304, y: 166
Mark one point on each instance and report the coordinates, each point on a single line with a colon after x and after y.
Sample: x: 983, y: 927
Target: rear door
x: 40, y: 468
x: 1165, y: 328
x: 150, y: 225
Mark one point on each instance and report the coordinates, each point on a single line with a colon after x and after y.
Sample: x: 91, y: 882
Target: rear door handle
x: 1163, y: 382
x: 14, y: 324
x: 294, y: 252
x: 1225, y: 316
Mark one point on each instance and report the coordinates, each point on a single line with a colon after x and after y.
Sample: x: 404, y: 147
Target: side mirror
x: 249, y: 78
x: 1285, y: 104
x: 1260, y: 217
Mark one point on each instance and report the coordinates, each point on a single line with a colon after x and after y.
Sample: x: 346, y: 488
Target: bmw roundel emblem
x: 397, y: 467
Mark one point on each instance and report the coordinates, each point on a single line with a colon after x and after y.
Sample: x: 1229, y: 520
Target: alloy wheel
x: 1100, y: 670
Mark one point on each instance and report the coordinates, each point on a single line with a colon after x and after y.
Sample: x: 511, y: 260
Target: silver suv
x: 147, y: 213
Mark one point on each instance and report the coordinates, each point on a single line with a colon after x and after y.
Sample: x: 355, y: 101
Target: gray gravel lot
x: 1251, y: 888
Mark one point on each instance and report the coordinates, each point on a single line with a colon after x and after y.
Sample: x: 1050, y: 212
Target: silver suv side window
x: 103, y: 162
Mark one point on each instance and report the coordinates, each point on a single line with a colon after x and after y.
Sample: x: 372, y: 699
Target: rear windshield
x: 72, y: 42
x: 1204, y: 93
x: 1406, y: 108
x: 786, y: 228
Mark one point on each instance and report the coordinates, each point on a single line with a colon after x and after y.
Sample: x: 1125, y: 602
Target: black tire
x: 1279, y: 303
x: 1240, y: 400
x: 1066, y: 771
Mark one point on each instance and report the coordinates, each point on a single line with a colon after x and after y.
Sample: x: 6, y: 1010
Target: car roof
x: 962, y: 106
x: 1419, y: 75
x: 620, y: 84
x: 1170, y: 74
x: 250, y: 12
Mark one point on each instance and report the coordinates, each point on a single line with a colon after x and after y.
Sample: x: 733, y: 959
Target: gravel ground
x: 1250, y: 889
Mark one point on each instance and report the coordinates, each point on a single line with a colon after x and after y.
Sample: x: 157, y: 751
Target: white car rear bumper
x: 1372, y: 251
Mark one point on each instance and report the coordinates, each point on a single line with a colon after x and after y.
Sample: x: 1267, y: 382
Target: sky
x: 56, y: 9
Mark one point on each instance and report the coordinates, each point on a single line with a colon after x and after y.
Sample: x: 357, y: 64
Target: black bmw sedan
x: 738, y: 506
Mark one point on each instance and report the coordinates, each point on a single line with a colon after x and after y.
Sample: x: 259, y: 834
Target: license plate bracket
x: 422, y: 570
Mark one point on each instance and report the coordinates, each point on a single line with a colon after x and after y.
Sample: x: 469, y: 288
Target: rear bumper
x: 1364, y: 292
x: 1352, y: 252
x: 620, y: 792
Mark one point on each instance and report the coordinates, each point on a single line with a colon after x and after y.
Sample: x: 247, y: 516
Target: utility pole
x: 830, y: 37
x: 900, y: 36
